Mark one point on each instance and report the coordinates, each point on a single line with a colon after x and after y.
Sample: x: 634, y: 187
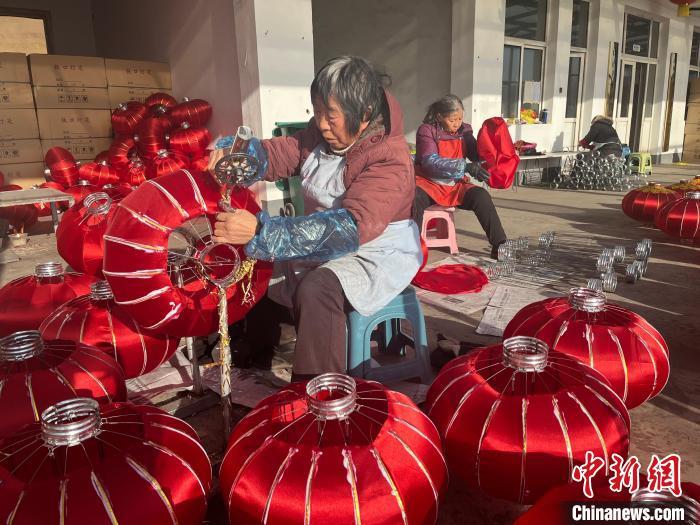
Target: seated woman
x: 357, y: 246
x: 602, y: 137
x: 442, y: 172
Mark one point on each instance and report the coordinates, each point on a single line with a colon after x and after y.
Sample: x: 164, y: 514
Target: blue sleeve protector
x: 441, y: 168
x: 320, y: 236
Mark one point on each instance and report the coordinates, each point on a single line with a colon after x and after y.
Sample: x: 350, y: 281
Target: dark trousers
x: 479, y: 201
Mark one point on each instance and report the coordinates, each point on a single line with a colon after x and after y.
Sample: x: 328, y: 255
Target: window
x: 522, y: 80
x: 579, y: 24
x: 24, y: 31
x: 510, y: 100
x: 626, y: 90
x: 641, y: 37
x: 573, y: 86
x: 526, y: 19
x: 651, y: 82
x: 695, y: 51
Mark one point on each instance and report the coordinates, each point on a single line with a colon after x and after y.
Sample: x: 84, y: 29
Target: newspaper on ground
x: 505, y: 302
x: 172, y: 376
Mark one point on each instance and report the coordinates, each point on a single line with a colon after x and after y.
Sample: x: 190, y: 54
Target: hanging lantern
x: 122, y: 151
x: 683, y: 6
x: 79, y: 234
x: 160, y: 103
x: 336, y: 450
x: 127, y: 116
x: 152, y: 136
x: 190, y: 141
x: 641, y: 204
x: 197, y: 112
x: 165, y: 163
x: 81, y: 190
x: 95, y: 320
x: 44, y: 208
x: 621, y: 345
x: 20, y: 216
x: 99, y: 173
x: 27, y: 301
x: 35, y: 373
x: 686, y: 185
x: 515, y: 419
x: 134, y: 173
x: 119, y: 463
x: 158, y: 246
x: 681, y: 218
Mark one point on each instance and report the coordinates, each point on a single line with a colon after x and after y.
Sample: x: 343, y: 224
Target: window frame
x: 652, y: 21
x: 548, y: 6
x: 588, y: 27
x: 19, y: 12
x: 526, y: 44
x: 695, y: 67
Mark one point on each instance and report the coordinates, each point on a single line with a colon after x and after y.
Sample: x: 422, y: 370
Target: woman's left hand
x: 236, y: 227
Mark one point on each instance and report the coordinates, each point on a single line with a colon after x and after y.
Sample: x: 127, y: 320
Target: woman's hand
x: 236, y: 227
x: 214, y: 157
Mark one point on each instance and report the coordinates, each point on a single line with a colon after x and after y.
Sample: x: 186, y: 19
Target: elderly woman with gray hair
x: 357, y: 246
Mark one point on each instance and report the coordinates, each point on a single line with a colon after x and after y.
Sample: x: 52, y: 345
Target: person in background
x: 357, y: 246
x: 602, y: 137
x: 445, y: 159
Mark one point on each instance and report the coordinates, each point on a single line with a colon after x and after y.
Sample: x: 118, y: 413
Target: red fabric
x: 80, y: 191
x: 452, y: 279
x: 190, y: 141
x: 107, y: 326
x: 641, y: 204
x: 384, y: 458
x: 98, y: 173
x: 442, y: 194
x: 121, y: 152
x: 509, y: 433
x: 496, y: 149
x: 196, y: 112
x: 134, y: 173
x: 27, y: 301
x: 127, y: 116
x: 61, y: 370
x: 201, y: 164
x: 621, y: 345
x: 149, y: 466
x: 144, y: 220
x: 424, y: 251
x: 165, y: 163
x: 680, y: 218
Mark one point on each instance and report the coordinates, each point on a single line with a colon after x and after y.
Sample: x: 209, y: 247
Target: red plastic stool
x: 444, y: 234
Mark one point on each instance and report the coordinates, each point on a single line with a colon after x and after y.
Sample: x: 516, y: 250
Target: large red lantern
x: 681, y: 218
x: 336, y: 450
x: 61, y: 166
x: 152, y: 136
x: 641, y: 204
x: 190, y: 141
x: 122, y: 151
x: 157, y: 246
x: 79, y: 234
x: 515, y: 419
x: 196, y: 111
x: 119, y: 463
x: 127, y: 116
x: 164, y: 163
x: 99, y: 173
x: 95, y: 320
x: 620, y: 344
x: 160, y: 103
x: 81, y: 190
x: 134, y: 173
x: 27, y: 301
x: 35, y: 373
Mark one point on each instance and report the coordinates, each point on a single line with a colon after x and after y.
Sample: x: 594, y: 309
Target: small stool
x: 391, y: 340
x: 640, y: 162
x: 444, y: 234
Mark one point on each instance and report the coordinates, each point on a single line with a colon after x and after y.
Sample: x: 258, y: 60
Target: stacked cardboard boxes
x: 691, y: 144
x: 72, y: 103
x: 136, y: 80
x: 21, y: 157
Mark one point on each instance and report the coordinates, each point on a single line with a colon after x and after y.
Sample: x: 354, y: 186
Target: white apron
x: 370, y: 277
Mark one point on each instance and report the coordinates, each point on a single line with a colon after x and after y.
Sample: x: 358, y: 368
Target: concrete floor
x: 667, y: 297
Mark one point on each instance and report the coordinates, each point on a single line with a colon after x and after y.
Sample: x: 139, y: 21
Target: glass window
x: 693, y: 75
x: 637, y: 36
x: 625, y: 91
x: 526, y: 19
x: 579, y: 24
x: 573, y: 87
x: 511, y: 81
x: 532, y: 79
x: 695, y: 50
x: 654, y: 44
x: 651, y: 82
x: 22, y: 35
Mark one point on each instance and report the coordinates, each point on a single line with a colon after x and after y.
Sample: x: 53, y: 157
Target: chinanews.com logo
x: 657, y: 498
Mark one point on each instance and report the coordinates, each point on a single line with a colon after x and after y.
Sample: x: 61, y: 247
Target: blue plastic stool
x: 391, y: 340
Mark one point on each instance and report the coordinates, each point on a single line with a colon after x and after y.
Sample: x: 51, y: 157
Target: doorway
x: 574, y: 91
x: 635, y: 103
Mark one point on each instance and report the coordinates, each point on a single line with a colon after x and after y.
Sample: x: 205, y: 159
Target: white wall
x: 410, y: 39
x: 71, y: 24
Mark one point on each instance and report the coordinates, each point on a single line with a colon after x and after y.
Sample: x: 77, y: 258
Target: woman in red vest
x: 446, y: 157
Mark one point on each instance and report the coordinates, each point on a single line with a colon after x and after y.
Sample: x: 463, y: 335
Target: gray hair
x: 357, y: 87
x: 444, y: 106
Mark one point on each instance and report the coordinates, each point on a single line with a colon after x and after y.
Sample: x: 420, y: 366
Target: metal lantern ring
x: 119, y: 463
x: 335, y: 450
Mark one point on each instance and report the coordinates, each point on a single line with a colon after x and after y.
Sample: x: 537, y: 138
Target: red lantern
x: 176, y: 210
x: 197, y: 112
x: 44, y: 208
x: 27, y: 301
x: 686, y: 185
x: 160, y: 103
x: 165, y: 163
x: 134, y: 173
x: 621, y: 345
x: 641, y: 204
x: 127, y: 116
x: 681, y: 218
x: 2, y: 178
x: 683, y: 6
x: 36, y: 373
x: 81, y: 190
x: 99, y: 173
x: 79, y: 234
x: 336, y: 450
x: 201, y: 164
x: 152, y: 136
x: 516, y: 419
x: 190, y: 141
x: 57, y: 154
x: 122, y: 151
x: 95, y: 320
x: 62, y: 166
x: 20, y: 216
x: 120, y: 463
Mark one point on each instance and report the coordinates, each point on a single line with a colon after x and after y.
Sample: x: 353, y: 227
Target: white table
x: 543, y: 161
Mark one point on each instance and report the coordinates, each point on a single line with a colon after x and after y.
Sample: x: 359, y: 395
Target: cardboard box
x: 692, y: 128
x: 64, y: 70
x: 694, y: 90
x: 693, y: 116
x: 20, y: 151
x: 691, y: 157
x: 119, y: 94
x: 82, y: 149
x: 25, y: 175
x: 15, y: 95
x: 74, y: 123
x: 71, y: 97
x: 14, y: 68
x: 692, y: 141
x: 135, y: 73
x: 18, y: 124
